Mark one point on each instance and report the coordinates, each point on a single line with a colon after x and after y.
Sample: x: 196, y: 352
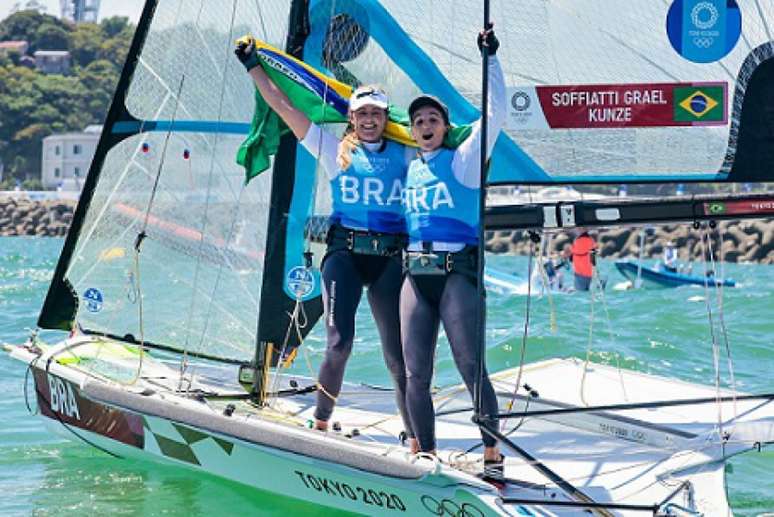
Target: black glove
x: 246, y: 52
x: 487, y: 40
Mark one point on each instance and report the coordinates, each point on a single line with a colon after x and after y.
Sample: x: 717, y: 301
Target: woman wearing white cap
x: 442, y: 196
x: 366, y: 174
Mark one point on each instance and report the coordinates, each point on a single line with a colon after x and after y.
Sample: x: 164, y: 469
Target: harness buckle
x: 375, y: 245
x: 350, y: 240
x: 449, y: 262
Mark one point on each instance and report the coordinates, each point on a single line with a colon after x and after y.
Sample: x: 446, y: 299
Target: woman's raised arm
x: 296, y: 120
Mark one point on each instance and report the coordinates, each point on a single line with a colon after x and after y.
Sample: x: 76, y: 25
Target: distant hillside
x: 34, y: 105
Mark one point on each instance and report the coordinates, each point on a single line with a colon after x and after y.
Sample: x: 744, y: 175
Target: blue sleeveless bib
x: 438, y: 207
x: 368, y: 195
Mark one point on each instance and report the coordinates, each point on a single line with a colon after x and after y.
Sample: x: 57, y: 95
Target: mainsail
x: 597, y: 91
x: 168, y: 245
x: 625, y: 102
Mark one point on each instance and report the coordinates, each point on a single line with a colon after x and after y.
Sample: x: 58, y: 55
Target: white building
x: 52, y: 61
x: 67, y: 157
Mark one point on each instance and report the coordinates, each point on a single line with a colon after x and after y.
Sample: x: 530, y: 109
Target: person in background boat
x: 584, y: 250
x: 669, y: 258
x: 553, y: 265
x: 366, y: 174
x: 441, y: 197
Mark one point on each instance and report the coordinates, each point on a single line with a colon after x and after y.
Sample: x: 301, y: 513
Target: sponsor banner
x: 759, y: 206
x: 618, y: 106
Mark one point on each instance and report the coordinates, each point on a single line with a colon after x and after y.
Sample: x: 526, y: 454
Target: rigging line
x: 636, y: 405
x: 582, y: 388
x: 294, y: 323
x: 524, y: 335
x: 611, y: 334
x: 764, y: 22
x: 205, y: 217
x: 141, y: 236
x: 260, y: 18
x: 139, y: 314
x: 709, y: 255
x: 720, y: 290
x: 715, y: 347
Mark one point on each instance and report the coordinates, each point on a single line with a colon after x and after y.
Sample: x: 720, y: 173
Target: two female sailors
x: 367, y: 235
x: 442, y: 216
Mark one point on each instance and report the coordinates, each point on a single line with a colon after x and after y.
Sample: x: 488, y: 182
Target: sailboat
x: 180, y: 284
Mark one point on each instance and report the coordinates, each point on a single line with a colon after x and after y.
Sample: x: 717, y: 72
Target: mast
x: 481, y: 312
x: 274, y: 306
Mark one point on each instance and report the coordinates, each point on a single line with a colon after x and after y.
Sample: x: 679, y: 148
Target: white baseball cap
x: 368, y: 95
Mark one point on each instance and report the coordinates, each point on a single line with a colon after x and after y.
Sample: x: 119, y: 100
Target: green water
x: 665, y: 332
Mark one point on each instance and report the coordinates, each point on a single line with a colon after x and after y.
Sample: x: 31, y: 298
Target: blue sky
x: 107, y: 8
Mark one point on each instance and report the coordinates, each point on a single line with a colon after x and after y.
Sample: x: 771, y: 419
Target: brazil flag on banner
x: 699, y: 104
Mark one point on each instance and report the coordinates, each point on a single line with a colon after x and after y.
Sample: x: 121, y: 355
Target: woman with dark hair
x: 442, y: 197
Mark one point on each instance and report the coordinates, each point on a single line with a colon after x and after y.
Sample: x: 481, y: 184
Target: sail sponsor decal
x: 367, y: 496
x: 300, y: 281
x: 595, y: 106
x: 757, y: 206
x: 62, y: 401
x: 93, y: 300
x: 704, y: 31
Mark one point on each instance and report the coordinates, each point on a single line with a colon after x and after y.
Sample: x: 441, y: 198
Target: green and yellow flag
x: 322, y: 98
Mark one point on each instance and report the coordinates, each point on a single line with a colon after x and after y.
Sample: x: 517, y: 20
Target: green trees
x: 34, y: 105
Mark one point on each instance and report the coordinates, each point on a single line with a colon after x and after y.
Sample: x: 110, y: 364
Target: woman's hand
x: 487, y: 40
x: 246, y: 53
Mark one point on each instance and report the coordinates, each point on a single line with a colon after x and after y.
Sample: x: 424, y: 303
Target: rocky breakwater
x: 21, y: 216
x: 731, y: 241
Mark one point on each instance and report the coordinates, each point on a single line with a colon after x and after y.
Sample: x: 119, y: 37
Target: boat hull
x: 654, y: 278
x: 188, y: 436
x: 658, y: 456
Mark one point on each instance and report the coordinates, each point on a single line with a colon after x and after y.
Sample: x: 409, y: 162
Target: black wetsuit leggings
x: 425, y: 301
x: 344, y: 275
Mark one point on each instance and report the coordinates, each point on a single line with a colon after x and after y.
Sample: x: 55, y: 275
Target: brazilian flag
x: 322, y: 99
x: 699, y: 104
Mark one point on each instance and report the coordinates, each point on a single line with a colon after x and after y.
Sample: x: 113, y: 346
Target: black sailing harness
x: 429, y: 262
x: 364, y: 242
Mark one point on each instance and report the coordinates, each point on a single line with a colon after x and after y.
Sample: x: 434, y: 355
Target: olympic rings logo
x: 520, y: 101
x: 701, y: 10
x: 703, y: 42
x: 449, y: 507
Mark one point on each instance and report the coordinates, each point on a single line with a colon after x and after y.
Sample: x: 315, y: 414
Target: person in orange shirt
x: 584, y: 251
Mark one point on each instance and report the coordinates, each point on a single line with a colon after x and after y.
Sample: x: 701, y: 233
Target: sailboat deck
x: 639, y: 455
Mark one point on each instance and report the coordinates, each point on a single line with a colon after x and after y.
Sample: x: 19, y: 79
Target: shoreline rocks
x: 742, y: 241
x: 731, y: 241
x: 22, y: 216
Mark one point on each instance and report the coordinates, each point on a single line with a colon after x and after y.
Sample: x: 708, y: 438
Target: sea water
x: 660, y: 331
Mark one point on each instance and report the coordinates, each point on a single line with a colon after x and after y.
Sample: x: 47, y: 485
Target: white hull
x: 638, y: 457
